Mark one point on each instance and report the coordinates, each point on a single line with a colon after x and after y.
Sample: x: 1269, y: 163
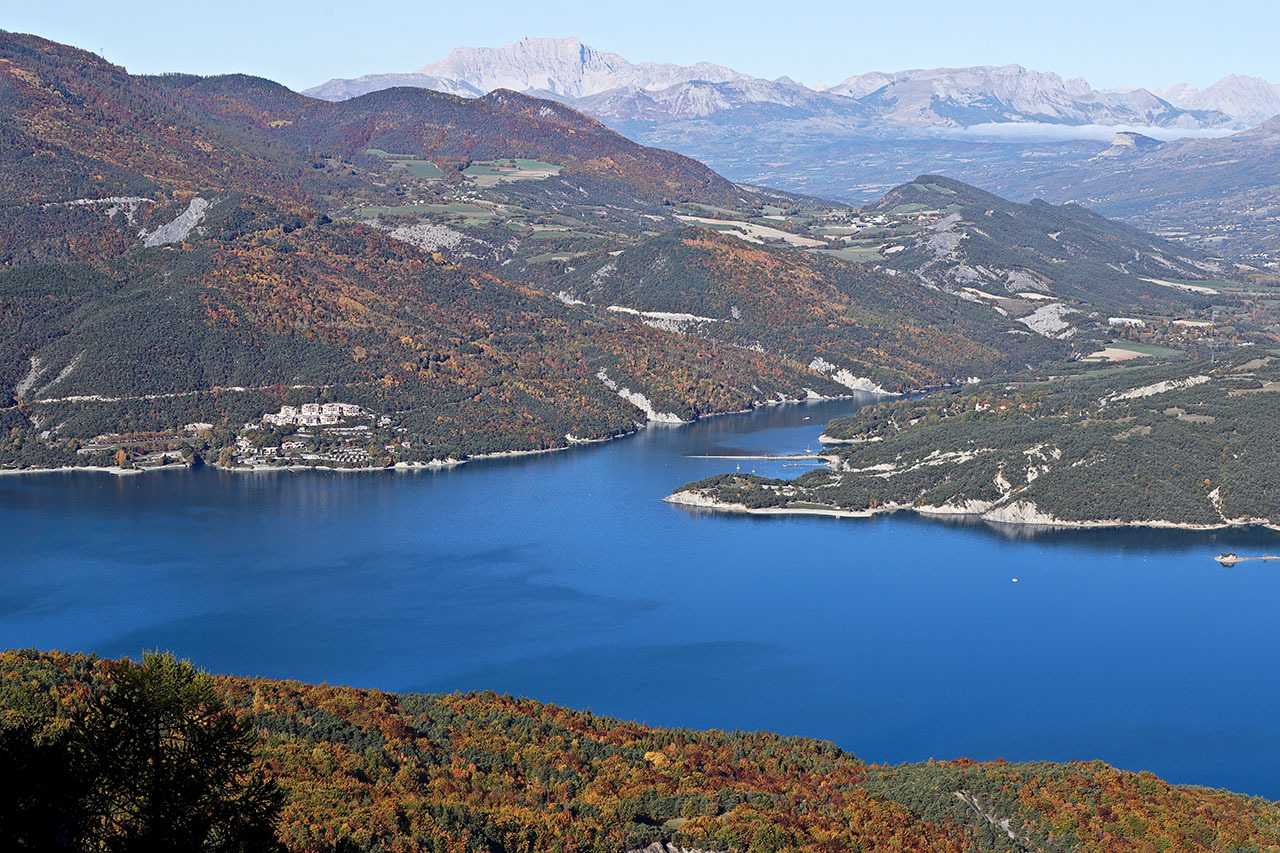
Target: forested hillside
x: 363, y: 771
x: 854, y: 322
x: 987, y: 244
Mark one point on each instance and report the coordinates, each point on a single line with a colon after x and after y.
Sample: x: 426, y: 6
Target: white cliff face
x: 846, y: 377
x: 565, y: 67
x: 698, y: 99
x: 861, y: 85
x: 1158, y: 388
x: 1175, y: 95
x: 1050, y: 320
x: 1020, y: 512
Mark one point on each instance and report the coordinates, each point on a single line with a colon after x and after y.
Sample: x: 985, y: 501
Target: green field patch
x: 552, y: 235
x: 718, y: 226
x: 853, y: 254
x: 934, y: 188
x: 487, y: 173
x: 423, y: 169
x: 411, y: 163
x: 711, y: 208
x: 1105, y: 367
x: 1145, y: 349
x: 547, y: 257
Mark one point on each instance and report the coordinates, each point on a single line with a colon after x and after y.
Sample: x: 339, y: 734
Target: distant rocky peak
x: 1250, y: 99
x: 565, y: 67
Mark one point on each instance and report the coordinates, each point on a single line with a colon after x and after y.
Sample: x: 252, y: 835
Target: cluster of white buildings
x: 313, y: 414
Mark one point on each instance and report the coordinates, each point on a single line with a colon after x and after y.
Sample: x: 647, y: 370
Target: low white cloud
x: 1042, y: 132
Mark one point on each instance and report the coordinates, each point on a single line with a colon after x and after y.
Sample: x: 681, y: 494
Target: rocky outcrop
x: 1020, y: 512
x: 180, y: 228
x: 640, y: 401
x: 1127, y: 144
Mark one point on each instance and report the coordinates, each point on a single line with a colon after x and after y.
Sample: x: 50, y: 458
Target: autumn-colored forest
x: 365, y: 770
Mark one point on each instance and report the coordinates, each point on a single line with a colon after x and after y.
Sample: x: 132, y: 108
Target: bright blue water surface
x: 564, y: 577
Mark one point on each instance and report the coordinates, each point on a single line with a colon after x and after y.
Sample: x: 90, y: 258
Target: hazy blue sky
x: 1110, y: 43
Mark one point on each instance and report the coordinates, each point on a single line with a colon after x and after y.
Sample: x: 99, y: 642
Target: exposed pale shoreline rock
x: 1021, y: 513
x: 108, y: 469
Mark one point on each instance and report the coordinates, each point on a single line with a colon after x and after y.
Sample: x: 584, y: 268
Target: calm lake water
x: 565, y: 578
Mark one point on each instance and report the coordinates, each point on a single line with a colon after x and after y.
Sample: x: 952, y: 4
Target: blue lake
x: 564, y: 577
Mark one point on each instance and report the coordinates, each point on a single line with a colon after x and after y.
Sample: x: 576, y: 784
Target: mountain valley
x: 1019, y: 133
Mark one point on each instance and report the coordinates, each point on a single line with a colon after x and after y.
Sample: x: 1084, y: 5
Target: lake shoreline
x: 432, y: 465
x: 694, y: 500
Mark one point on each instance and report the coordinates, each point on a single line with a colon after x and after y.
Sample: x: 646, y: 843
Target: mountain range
x: 612, y: 88
x: 230, y: 247
x: 1218, y: 194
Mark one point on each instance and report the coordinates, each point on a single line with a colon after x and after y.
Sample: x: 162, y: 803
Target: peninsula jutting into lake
x: 1190, y: 445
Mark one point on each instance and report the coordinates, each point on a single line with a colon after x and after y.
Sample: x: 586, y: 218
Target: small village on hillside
x: 323, y: 435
